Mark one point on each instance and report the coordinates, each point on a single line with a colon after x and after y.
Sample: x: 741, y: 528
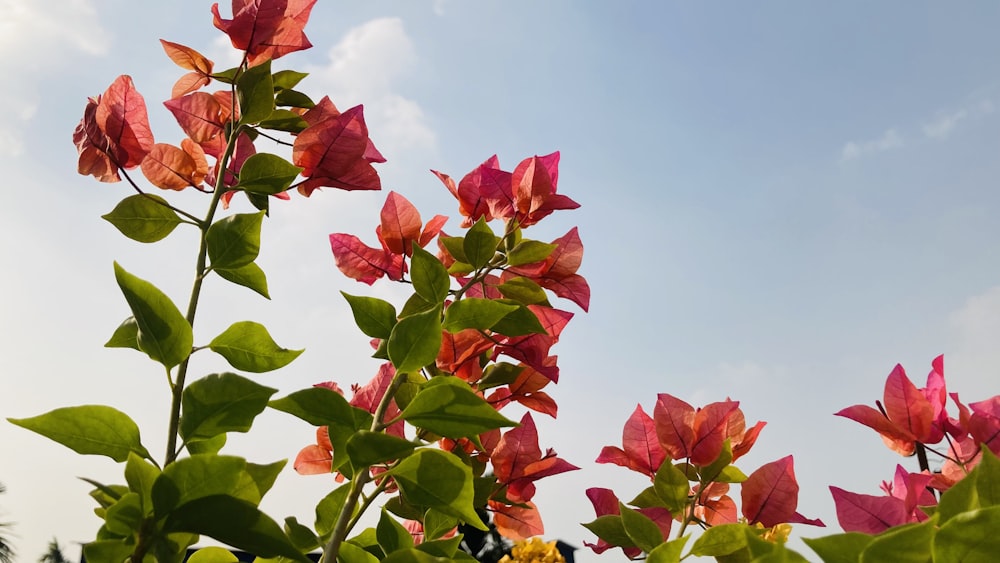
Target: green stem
x: 200, y: 269
x: 361, y: 477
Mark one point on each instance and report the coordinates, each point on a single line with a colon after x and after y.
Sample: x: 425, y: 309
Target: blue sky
x: 779, y: 203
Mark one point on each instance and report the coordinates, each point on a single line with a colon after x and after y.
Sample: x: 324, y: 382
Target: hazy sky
x: 779, y: 203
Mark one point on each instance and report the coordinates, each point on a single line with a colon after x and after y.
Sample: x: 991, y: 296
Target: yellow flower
x: 534, y: 550
x: 775, y: 534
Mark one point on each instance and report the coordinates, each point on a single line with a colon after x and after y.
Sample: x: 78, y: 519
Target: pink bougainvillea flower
x: 518, y: 461
x: 984, y: 423
x: 171, y: 168
x: 266, y: 29
x: 641, y: 450
x: 188, y: 59
x: 527, y: 195
x: 714, y: 505
x: 872, y: 514
x: 335, y: 151
x: 695, y: 435
x: 114, y: 132
x: 516, y: 521
x: 910, y: 416
x: 526, y: 390
x: 400, y: 228
x: 771, y: 494
x: 558, y: 271
x: 534, y: 186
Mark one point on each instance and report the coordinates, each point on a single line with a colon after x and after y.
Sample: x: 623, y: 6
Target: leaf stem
x: 200, y: 269
x: 361, y: 477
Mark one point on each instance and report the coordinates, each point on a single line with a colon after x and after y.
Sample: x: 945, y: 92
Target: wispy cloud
x: 366, y: 67
x: 890, y: 139
x: 937, y: 128
x: 47, y: 31
x: 945, y: 122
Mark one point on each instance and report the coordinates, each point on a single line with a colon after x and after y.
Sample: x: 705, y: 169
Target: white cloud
x: 47, y: 31
x: 946, y: 121
x: 974, y: 356
x: 439, y: 6
x: 366, y: 67
x: 47, y: 28
x: 223, y: 54
x: 889, y: 140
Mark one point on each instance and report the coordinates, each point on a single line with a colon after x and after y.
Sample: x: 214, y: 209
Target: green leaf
x: 519, y: 322
x: 125, y: 516
x: 247, y: 346
x: 730, y: 474
x: 474, y: 312
x: 125, y: 336
x: 437, y: 479
x: 970, y: 537
x: 437, y: 524
x: 373, y: 316
x: 213, y: 555
x: 302, y: 536
x: 529, y: 252
x: 392, y: 536
x: 524, y: 291
x: 266, y: 173
x: 227, y: 76
x: 209, y: 446
x: 610, y: 529
x: 961, y: 497
x: 198, y: 476
x: 903, y: 544
x: 285, y: 79
x: 415, y: 340
x: 720, y: 540
x: 712, y: 471
x: 143, y: 218
x: 648, y: 499
x: 414, y: 555
x: 480, y: 244
x: 318, y: 406
x: 672, y: 486
x: 322, y: 407
x: 88, y: 430
x: 668, y: 552
x: 234, y: 241
x: 140, y: 475
x: 429, y: 276
x: 235, y: 522
x: 643, y: 531
x: 988, y: 478
x: 107, y: 550
x: 259, y: 479
x: 352, y: 553
x: 221, y: 403
x: 366, y: 448
x: 284, y: 120
x: 328, y: 509
x: 249, y: 276
x: 455, y: 246
x: 293, y: 98
x: 499, y: 373
x: 839, y: 548
x: 164, y: 334
x: 255, y: 92
x: 447, y: 406
x: 416, y: 304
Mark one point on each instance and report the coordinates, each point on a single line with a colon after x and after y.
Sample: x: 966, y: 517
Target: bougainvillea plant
x: 688, y: 454
x: 427, y: 442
